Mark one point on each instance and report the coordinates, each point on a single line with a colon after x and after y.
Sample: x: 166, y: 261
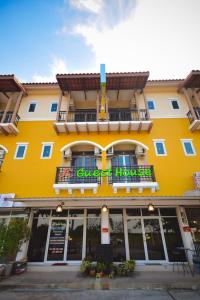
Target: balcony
x: 136, y: 177
x: 8, y: 127
x: 118, y: 120
x: 194, y: 122
x: 71, y: 178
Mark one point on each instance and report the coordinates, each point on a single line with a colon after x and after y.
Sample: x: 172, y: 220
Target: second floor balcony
x: 9, y: 122
x: 194, y: 119
x: 131, y: 177
x: 117, y: 120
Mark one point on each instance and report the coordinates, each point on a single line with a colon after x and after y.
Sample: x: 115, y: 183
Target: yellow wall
x: 34, y: 177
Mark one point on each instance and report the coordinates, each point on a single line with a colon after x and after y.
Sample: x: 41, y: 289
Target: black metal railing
x: 78, y: 116
x: 9, y: 117
x: 75, y: 175
x: 128, y: 114
x: 135, y: 173
x: 197, y: 114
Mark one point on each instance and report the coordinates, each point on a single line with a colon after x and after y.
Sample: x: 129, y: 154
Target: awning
x: 192, y: 80
x: 9, y: 83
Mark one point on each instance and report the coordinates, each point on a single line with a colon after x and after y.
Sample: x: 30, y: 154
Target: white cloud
x: 158, y: 35
x: 93, y: 6
x: 57, y: 66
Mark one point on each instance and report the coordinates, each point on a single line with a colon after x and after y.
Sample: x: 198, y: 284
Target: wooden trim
x: 137, y: 104
x: 197, y: 97
x: 189, y: 103
x: 67, y: 108
x: 7, y: 108
x: 97, y: 102
x: 16, y: 109
x: 59, y: 106
x: 106, y: 105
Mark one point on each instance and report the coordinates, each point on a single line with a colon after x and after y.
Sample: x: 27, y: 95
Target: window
x: 188, y: 147
x: 151, y: 104
x: 54, y: 106
x: 175, y: 104
x: 160, y: 147
x: 32, y: 107
x: 21, y: 151
x: 46, y: 150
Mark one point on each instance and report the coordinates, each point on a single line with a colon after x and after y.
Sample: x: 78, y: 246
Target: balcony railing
x: 128, y: 114
x: 73, y: 175
x: 135, y: 173
x: 197, y: 113
x: 9, y: 117
x: 114, y: 115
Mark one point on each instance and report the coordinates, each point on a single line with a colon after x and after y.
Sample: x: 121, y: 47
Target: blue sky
x: 39, y: 38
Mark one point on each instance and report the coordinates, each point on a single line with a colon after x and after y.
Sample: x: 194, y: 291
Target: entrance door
x: 75, y: 239
x: 57, y: 240
x: 153, y: 238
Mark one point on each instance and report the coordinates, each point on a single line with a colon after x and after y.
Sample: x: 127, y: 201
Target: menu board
x: 57, y: 240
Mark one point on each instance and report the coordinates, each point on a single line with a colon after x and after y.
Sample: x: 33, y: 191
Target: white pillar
x: 105, y: 233
x: 186, y: 236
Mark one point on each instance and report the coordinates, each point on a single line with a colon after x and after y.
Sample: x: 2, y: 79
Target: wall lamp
x: 104, y: 208
x: 59, y: 207
x: 151, y: 207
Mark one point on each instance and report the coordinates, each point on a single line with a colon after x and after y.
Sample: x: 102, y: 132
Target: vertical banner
x: 102, y: 114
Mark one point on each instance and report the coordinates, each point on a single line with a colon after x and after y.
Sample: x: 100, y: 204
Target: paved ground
x: 64, y: 294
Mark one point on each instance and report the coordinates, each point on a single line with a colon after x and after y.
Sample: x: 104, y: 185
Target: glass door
x: 75, y: 239
x: 153, y: 239
x: 57, y: 240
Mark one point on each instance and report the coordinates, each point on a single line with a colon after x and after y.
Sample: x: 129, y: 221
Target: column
x: 7, y: 109
x: 105, y: 234
x: 186, y: 236
x: 67, y: 108
x: 16, y: 109
x: 145, y: 103
x: 189, y: 103
x: 59, y: 106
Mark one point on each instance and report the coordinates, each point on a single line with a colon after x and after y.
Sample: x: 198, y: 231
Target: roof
x: 192, y: 80
x: 9, y: 83
x: 91, y: 81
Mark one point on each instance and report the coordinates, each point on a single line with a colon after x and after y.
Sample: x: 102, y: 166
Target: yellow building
x: 89, y: 163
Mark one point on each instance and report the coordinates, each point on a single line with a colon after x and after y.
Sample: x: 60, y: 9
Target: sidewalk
x: 68, y: 277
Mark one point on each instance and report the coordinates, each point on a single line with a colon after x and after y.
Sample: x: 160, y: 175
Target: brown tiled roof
x: 192, y: 80
x: 91, y: 81
x: 9, y: 83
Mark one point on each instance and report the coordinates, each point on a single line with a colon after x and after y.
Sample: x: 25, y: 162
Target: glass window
x: 54, y: 107
x: 173, y: 239
x: 32, y: 107
x: 175, y: 104
x: 133, y: 212
x: 42, y: 213
x: 76, y: 213
x: 117, y: 234
x: 46, y: 151
x: 93, y: 213
x: 93, y: 236
x: 188, y: 147
x: 160, y: 148
x: 136, y: 245
x: 20, y: 151
x: 193, y: 216
x: 64, y: 213
x: 145, y: 212
x: 168, y: 211
x: 37, y: 244
x: 151, y: 104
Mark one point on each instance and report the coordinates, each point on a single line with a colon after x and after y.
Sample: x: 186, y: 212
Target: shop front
x: 134, y: 233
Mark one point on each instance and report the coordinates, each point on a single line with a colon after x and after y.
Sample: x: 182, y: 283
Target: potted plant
x: 86, y: 266
x: 11, y: 238
x: 126, y: 268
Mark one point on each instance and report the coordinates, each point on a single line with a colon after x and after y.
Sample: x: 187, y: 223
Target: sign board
x: 104, y: 229
x: 187, y: 229
x: 5, y: 200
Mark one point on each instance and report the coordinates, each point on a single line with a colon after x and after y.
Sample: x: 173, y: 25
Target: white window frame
x: 18, y: 145
x: 153, y: 104
x: 184, y: 149
x: 53, y: 102
x: 164, y: 147
x: 36, y: 105
x: 177, y: 100
x: 51, y: 150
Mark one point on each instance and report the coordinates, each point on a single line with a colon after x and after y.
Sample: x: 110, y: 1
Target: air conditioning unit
x: 2, y: 154
x: 110, y: 151
x: 67, y: 153
x: 97, y: 151
x: 140, y: 151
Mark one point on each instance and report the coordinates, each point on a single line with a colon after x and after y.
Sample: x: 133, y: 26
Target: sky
x: 40, y: 38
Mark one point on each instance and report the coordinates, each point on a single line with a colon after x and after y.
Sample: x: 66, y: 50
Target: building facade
x: 102, y: 159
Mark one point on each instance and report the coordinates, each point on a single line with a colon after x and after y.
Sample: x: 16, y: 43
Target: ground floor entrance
x: 134, y: 233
